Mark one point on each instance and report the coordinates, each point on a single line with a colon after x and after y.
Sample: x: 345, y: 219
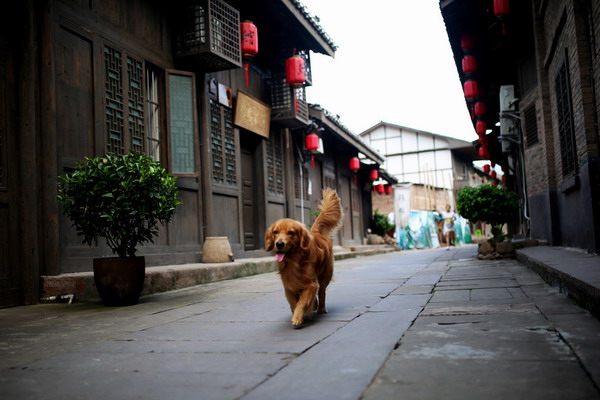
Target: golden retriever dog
x: 305, y: 257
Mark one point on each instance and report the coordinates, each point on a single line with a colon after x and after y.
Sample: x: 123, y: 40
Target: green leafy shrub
x: 120, y: 198
x: 489, y: 204
x: 380, y: 225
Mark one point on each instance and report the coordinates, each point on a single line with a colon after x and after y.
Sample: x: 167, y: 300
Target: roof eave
x: 322, y: 45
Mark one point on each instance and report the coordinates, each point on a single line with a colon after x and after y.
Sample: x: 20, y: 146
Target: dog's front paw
x: 297, y: 320
x: 322, y: 310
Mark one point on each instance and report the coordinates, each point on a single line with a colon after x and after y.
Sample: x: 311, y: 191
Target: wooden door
x: 356, y: 207
x: 10, y: 283
x: 344, y: 186
x: 249, y: 201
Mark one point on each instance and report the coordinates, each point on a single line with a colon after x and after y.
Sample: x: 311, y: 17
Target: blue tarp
x: 421, y: 231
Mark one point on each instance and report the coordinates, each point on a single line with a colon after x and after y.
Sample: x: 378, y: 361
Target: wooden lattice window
x: 124, y: 102
x: 329, y: 181
x: 114, y: 100
x: 209, y: 31
x: 135, y: 103
x: 275, y: 164
x: 564, y: 108
x: 222, y: 144
x: 531, y: 128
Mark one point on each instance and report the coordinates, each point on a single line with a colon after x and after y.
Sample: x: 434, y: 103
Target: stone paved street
x: 407, y: 325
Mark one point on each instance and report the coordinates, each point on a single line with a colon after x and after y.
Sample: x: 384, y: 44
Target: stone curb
x: 166, y: 278
x: 584, y: 294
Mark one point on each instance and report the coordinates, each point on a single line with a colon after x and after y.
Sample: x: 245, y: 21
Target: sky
x: 393, y: 64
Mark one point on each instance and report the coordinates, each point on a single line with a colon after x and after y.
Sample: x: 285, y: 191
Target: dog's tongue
x: 279, y: 257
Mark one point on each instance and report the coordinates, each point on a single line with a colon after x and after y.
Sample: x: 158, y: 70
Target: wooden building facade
x: 538, y: 72
x: 87, y: 78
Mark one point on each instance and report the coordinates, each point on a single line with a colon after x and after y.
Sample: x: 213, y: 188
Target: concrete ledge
x: 173, y: 277
x: 572, y: 271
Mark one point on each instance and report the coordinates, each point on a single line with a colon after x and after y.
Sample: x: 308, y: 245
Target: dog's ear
x: 269, y: 242
x: 305, y: 239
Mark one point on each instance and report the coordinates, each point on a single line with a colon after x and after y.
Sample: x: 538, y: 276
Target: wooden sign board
x: 252, y: 114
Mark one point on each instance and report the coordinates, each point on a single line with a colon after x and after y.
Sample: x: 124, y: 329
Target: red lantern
x: 483, y: 140
x: 486, y: 168
x: 494, y: 183
x: 484, y: 152
x: 388, y: 189
x: 503, y: 177
x: 311, y: 142
x: 249, y: 39
x: 469, y: 64
x: 471, y: 89
x: 493, y: 174
x: 374, y: 175
x: 480, y: 127
x: 379, y: 188
x: 249, y: 43
x: 295, y: 72
x: 355, y: 166
x: 501, y: 10
x: 479, y: 108
x: 467, y: 42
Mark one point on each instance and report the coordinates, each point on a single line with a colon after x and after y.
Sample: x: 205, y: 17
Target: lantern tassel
x: 355, y: 179
x: 246, y: 66
x: 312, y: 160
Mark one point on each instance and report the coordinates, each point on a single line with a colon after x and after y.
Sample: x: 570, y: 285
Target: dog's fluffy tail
x: 330, y: 214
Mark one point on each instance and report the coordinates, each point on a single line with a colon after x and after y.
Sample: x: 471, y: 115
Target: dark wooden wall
x: 62, y: 61
x: 80, y: 39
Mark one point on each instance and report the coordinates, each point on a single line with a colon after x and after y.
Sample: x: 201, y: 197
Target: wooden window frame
x: 564, y: 111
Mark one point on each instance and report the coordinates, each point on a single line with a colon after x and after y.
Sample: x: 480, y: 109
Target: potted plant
x: 381, y: 228
x: 489, y: 204
x: 121, y: 199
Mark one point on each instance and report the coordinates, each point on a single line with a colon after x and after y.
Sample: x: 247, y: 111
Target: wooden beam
x: 29, y: 238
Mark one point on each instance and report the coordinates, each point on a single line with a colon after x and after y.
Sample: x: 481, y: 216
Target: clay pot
x: 217, y: 250
x: 119, y: 280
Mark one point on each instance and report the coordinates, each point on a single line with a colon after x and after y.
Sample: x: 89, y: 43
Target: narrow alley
x: 410, y: 325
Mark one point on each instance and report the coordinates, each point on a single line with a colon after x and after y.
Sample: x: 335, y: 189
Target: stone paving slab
x: 473, y: 378
x: 572, y: 271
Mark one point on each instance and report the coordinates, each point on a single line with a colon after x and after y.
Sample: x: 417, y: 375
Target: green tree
x: 489, y: 204
x: 120, y: 198
x: 380, y: 225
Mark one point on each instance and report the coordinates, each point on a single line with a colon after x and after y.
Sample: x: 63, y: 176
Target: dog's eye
x: 291, y: 233
x: 275, y: 232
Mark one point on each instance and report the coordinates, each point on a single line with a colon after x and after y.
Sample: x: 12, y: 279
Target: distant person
x: 449, y: 231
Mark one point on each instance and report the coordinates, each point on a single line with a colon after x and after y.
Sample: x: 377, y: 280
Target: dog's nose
x: 280, y: 245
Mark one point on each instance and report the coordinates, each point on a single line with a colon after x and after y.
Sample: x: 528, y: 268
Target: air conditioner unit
x: 509, y: 117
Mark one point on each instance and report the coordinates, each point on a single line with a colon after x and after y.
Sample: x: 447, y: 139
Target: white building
x: 415, y: 156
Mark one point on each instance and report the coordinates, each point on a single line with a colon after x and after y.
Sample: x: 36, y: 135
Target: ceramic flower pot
x: 216, y: 249
x: 119, y: 280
